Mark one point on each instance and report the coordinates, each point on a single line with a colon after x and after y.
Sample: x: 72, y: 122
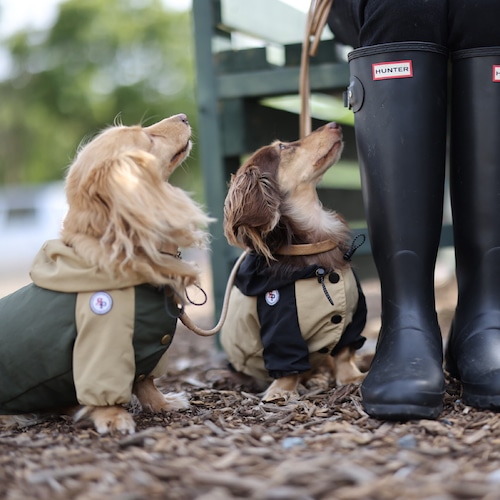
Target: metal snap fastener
x: 166, y: 339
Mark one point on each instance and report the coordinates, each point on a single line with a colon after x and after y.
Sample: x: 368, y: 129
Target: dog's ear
x: 125, y: 203
x: 111, y: 196
x: 251, y: 209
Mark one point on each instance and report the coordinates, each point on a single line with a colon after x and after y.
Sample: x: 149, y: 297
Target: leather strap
x: 308, y: 248
x: 316, y: 21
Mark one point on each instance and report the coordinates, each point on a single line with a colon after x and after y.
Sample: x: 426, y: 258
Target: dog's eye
x: 281, y: 146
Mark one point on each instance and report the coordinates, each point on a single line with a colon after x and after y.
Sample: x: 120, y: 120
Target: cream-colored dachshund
x: 95, y: 324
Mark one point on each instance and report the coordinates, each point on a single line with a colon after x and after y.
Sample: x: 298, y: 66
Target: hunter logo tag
x: 393, y: 69
x: 272, y: 297
x: 496, y: 73
x: 101, y: 303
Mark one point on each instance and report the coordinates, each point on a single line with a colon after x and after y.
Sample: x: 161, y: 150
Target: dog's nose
x: 183, y: 118
x: 335, y: 125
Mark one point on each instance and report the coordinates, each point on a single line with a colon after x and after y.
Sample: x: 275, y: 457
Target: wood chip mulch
x: 230, y: 445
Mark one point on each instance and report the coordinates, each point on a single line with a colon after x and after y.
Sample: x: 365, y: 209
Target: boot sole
x: 481, y: 402
x: 403, y: 412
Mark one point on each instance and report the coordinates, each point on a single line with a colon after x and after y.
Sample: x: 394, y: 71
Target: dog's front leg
x: 154, y: 401
x: 345, y: 370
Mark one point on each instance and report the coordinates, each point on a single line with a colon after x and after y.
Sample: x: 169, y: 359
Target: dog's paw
x: 320, y: 380
x: 154, y: 401
x: 165, y: 402
x: 107, y: 419
x: 350, y: 379
x: 279, y: 395
x: 283, y: 389
x: 348, y: 374
x: 345, y: 369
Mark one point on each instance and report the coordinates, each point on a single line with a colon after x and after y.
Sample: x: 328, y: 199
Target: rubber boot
x: 473, y: 348
x: 398, y: 93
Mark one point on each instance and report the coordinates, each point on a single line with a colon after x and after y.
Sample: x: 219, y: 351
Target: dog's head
x: 122, y: 210
x: 129, y: 153
x: 272, y: 199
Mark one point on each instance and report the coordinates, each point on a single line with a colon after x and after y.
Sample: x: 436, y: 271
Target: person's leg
x: 400, y: 125
x: 398, y: 94
x: 361, y: 23
x: 473, y: 24
x: 344, y: 21
x: 473, y: 349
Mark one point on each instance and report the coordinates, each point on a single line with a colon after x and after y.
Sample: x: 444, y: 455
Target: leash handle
x: 188, y: 322
x: 316, y: 20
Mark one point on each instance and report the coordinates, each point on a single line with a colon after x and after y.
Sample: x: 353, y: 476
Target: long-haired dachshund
x: 296, y: 309
x: 95, y: 324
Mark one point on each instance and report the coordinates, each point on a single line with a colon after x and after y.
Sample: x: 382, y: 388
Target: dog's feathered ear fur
x: 252, y: 209
x: 124, y: 207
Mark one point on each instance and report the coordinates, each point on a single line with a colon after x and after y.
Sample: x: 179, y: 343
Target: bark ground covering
x: 229, y: 445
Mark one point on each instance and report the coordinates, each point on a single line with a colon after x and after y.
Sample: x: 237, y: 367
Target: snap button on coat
x: 166, y: 339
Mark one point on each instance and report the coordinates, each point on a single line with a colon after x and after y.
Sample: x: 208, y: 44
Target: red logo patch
x: 393, y: 69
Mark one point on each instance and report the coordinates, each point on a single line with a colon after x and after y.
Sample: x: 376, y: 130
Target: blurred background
x: 69, y: 68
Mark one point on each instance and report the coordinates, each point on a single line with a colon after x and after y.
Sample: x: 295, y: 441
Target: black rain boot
x: 473, y: 349
x: 398, y: 94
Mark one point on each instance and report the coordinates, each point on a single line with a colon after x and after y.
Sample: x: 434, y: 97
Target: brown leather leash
x: 188, y: 322
x: 316, y: 21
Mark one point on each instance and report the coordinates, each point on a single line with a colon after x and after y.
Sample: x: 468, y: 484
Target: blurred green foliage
x: 125, y: 60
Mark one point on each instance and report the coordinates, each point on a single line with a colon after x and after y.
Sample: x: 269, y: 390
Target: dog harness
x: 79, y: 335
x: 274, y: 322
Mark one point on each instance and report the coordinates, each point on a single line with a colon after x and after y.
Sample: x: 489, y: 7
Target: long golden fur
x: 123, y: 211
x: 125, y: 217
x: 272, y: 203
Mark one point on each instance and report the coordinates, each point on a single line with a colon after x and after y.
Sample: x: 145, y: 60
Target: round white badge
x: 272, y: 297
x: 101, y: 303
